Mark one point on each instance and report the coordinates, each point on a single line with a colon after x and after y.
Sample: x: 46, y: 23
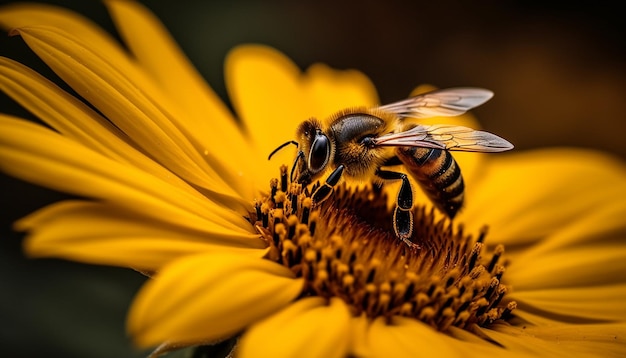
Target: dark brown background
x: 558, y: 73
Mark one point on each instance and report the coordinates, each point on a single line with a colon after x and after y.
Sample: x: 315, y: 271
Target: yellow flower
x: 174, y: 185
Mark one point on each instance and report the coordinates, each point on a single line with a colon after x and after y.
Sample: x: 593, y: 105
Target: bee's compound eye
x: 320, y: 153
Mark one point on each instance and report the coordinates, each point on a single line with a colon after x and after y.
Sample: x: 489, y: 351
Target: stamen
x: 345, y: 247
x: 496, y: 256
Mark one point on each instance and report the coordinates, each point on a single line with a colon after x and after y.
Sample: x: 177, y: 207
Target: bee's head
x: 316, y: 151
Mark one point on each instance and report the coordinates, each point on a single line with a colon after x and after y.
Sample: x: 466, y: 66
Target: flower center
x: 345, y: 247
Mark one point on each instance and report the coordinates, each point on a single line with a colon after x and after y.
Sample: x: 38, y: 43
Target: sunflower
x: 169, y: 182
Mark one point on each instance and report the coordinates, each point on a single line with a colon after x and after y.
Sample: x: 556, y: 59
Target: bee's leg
x: 323, y: 192
x: 393, y: 161
x: 402, y: 214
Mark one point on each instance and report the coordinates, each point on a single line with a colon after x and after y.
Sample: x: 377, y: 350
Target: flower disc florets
x: 345, y: 247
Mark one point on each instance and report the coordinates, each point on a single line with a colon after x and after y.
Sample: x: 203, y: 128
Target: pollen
x: 346, y: 248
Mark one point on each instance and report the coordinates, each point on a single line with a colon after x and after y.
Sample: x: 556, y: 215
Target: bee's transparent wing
x: 446, y: 137
x: 445, y: 102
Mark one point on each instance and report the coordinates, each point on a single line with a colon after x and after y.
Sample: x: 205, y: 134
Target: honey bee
x: 361, y: 143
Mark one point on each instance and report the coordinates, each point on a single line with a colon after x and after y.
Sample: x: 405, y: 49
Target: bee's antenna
x: 295, y: 162
x: 281, y: 147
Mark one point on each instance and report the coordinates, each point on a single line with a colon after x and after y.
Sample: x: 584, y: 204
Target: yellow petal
x: 205, y: 119
x: 58, y: 109
x: 76, y: 120
x: 169, y: 96
x: 159, y: 55
x: 122, y: 100
x: 331, y: 90
x: 81, y: 30
x: 358, y: 338
x: 209, y: 296
x: 526, y: 196
x: 265, y: 89
x: 271, y: 96
x: 38, y: 155
x: 595, y: 302
x: 103, y: 234
x: 24, y: 14
x: 408, y: 338
x: 603, y: 227
x: 310, y: 327
x: 541, y: 319
x: 563, y: 340
x: 584, y: 266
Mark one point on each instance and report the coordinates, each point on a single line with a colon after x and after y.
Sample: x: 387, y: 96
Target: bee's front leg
x: 402, y: 214
x: 323, y: 192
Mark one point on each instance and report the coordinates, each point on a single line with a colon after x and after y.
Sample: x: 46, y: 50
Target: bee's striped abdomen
x: 438, y: 174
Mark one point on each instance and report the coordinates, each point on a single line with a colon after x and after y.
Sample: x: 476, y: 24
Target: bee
x: 363, y: 143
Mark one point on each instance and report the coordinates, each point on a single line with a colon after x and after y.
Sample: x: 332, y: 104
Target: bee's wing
x: 446, y: 137
x: 445, y: 102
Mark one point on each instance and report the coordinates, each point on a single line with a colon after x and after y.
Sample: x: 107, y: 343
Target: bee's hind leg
x: 402, y: 214
x: 323, y: 192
